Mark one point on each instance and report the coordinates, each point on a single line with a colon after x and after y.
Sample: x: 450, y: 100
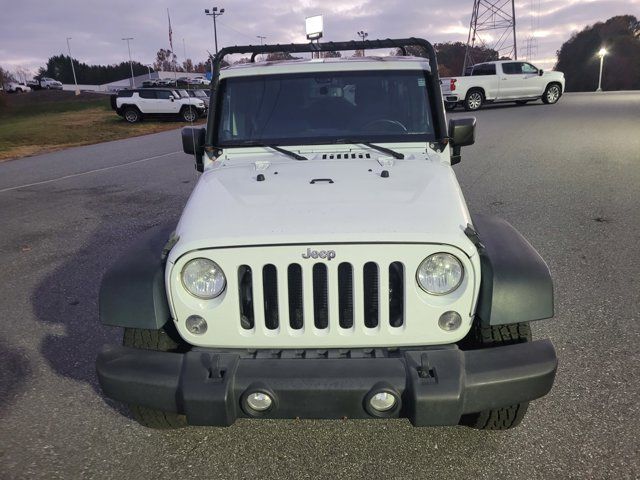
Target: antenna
x: 492, y: 26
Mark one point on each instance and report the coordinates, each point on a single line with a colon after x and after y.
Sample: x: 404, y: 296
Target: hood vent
x: 344, y: 156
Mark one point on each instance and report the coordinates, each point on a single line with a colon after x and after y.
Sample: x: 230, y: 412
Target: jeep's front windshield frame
x: 325, y: 107
x: 423, y: 48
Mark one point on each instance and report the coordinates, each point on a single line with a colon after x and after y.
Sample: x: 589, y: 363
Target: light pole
x: 214, y: 13
x: 262, y: 38
x: 363, y: 35
x: 133, y: 82
x: 75, y: 80
x: 601, y: 54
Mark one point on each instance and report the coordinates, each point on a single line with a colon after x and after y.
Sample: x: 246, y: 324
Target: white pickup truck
x: 501, y: 81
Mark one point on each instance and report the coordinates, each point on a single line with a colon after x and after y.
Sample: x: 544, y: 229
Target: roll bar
x: 254, y: 50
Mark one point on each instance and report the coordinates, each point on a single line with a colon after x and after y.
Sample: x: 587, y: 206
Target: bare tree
x: 22, y: 73
x: 6, y: 77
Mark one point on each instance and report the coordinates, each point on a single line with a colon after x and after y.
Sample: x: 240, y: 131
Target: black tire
x: 131, y: 115
x: 163, y: 341
x: 450, y: 106
x: 474, y: 100
x: 189, y: 114
x: 552, y: 93
x: 522, y: 102
x: 492, y: 336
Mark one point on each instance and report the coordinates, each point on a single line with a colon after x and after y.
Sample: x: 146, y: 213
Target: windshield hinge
x: 472, y: 235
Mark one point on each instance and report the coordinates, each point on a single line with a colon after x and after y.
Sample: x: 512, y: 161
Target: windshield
x: 325, y: 107
x: 183, y: 93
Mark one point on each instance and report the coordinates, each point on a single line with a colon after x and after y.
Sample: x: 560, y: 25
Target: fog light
x: 383, y: 401
x: 450, y: 321
x: 259, y: 401
x: 196, y: 325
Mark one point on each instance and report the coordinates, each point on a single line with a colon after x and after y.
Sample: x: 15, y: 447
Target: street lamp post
x: 262, y: 38
x: 133, y: 82
x: 601, y: 54
x: 75, y: 80
x: 363, y: 35
x: 214, y: 13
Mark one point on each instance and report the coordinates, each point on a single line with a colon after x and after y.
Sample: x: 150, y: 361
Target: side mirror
x: 171, y: 97
x: 540, y: 72
x: 193, y: 144
x: 462, y: 132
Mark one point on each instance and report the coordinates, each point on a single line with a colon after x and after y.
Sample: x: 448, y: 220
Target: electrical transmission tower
x: 492, y: 26
x: 531, y: 51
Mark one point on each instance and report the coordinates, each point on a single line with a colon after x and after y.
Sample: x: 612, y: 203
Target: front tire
x: 189, y: 114
x: 163, y: 340
x: 132, y: 115
x: 473, y: 101
x: 552, y: 93
x: 510, y: 416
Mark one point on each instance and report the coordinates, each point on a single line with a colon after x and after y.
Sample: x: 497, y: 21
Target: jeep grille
x: 316, y: 286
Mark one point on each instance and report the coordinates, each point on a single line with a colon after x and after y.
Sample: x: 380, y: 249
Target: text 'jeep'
x: 326, y: 265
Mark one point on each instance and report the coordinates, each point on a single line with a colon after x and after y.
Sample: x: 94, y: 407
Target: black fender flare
x: 515, y: 284
x: 132, y: 292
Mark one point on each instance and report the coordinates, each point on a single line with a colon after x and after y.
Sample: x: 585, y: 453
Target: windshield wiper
x: 386, y: 150
x: 277, y: 149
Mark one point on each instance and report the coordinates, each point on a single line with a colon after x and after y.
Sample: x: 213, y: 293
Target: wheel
x: 522, y: 102
x: 493, y: 336
x: 473, y: 100
x: 551, y: 94
x: 48, y: 87
x: 164, y: 341
x: 189, y: 114
x: 450, y: 106
x: 132, y: 114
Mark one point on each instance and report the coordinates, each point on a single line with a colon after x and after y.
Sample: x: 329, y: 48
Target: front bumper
x: 434, y: 386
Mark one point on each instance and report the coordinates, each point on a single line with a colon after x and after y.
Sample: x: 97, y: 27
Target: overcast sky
x: 33, y: 30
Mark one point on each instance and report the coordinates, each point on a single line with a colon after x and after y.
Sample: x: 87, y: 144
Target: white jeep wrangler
x: 326, y: 265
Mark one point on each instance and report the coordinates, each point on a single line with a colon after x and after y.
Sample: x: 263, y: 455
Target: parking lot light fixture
x: 214, y: 13
x: 75, y: 80
x: 128, y: 39
x: 601, y: 53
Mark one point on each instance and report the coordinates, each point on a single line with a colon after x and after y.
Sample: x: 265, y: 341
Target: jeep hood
x: 319, y: 202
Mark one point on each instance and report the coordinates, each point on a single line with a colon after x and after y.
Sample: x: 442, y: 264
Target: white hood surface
x: 419, y: 202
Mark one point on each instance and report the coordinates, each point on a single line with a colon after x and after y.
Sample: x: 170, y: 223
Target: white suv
x: 326, y: 265
x: 135, y: 105
x: 16, y: 87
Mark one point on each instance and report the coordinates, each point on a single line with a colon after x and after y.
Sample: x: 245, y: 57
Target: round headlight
x: 203, y: 278
x: 440, y: 273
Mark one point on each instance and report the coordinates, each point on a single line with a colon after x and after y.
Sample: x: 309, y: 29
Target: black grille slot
x: 345, y: 295
x: 371, y: 287
x: 270, y: 291
x: 396, y: 294
x: 245, y: 293
x: 294, y: 283
x: 320, y: 300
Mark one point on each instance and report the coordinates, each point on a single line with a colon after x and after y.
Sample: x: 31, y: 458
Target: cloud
x: 34, y: 30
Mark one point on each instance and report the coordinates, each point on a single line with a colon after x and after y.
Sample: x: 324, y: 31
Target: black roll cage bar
x: 401, y: 44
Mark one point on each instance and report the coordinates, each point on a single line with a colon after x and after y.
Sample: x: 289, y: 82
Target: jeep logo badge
x: 328, y: 254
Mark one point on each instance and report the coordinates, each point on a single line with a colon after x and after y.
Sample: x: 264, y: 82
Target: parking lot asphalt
x: 566, y: 175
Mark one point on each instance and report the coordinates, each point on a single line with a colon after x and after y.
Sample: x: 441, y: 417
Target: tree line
x: 579, y: 61
x: 577, y: 58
